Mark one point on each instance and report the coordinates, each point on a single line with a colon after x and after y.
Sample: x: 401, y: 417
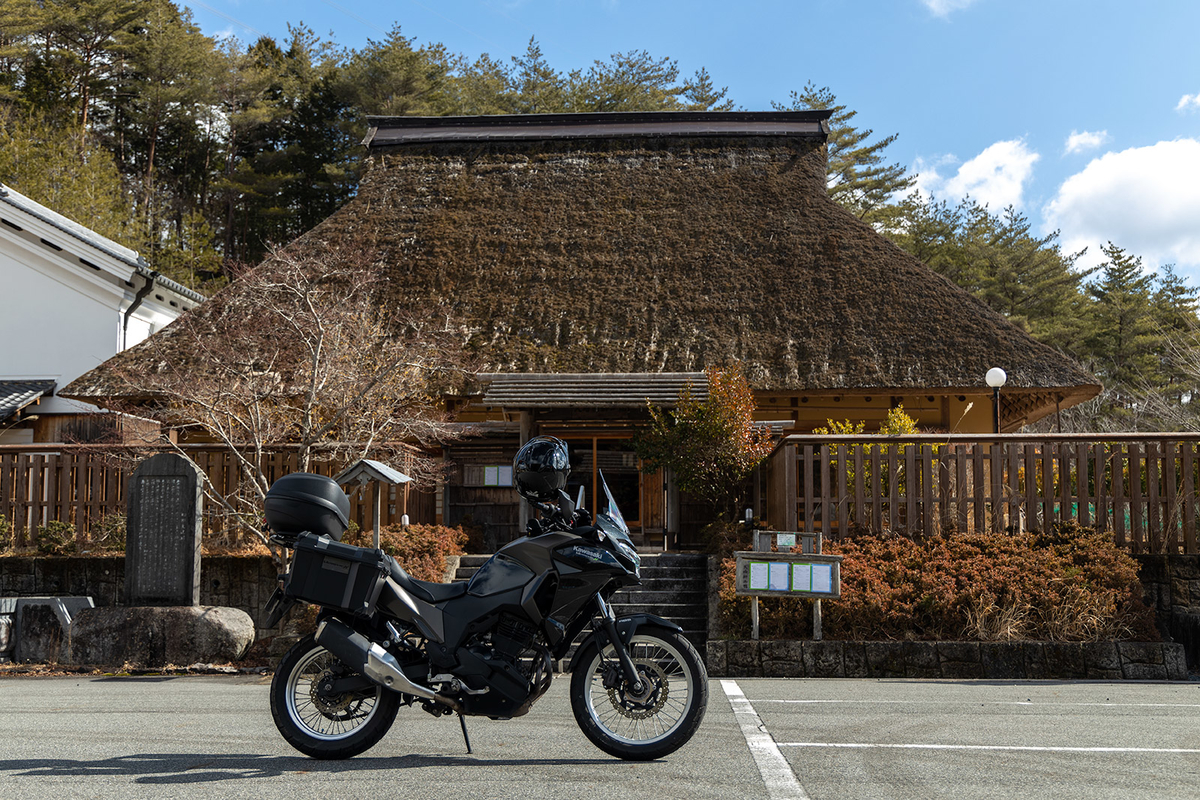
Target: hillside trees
x: 223, y: 148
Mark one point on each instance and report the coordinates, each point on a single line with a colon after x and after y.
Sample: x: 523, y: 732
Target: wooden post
x: 376, y: 519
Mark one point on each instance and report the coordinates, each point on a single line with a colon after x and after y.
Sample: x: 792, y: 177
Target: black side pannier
x: 336, y: 575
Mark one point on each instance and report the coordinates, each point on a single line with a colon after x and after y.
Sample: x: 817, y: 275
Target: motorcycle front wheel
x: 322, y: 723
x: 660, y: 718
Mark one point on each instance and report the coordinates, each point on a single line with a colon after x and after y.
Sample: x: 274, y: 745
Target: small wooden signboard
x: 789, y: 575
x: 772, y: 570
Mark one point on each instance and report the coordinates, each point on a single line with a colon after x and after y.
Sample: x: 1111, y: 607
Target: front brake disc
x: 651, y: 701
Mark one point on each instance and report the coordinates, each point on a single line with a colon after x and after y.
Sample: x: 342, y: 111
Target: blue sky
x: 1084, y: 114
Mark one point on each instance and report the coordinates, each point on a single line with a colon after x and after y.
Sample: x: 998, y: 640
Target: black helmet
x: 541, y: 468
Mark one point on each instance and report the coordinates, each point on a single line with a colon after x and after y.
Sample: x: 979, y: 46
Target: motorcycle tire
x: 659, y: 720
x: 326, y: 726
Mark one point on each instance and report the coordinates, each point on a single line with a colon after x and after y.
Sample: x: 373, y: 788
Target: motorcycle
x: 485, y: 647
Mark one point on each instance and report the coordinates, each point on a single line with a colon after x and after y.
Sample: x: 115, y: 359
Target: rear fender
x: 626, y: 628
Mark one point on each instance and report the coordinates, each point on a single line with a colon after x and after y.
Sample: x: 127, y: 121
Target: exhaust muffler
x: 370, y: 659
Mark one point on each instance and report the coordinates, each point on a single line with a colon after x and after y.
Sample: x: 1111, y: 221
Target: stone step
x: 650, y: 597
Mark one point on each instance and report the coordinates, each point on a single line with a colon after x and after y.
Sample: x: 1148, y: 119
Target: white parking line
x: 776, y: 773
x: 985, y: 703
x: 860, y: 746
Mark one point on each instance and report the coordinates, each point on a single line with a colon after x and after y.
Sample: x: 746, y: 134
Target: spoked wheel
x: 658, y: 719
x: 320, y: 718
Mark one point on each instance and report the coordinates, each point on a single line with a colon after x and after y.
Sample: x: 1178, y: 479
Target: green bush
x: 56, y: 538
x: 109, y: 533
x: 1069, y: 584
x: 6, y: 536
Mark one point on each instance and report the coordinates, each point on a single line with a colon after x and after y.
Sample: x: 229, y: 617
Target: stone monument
x: 162, y: 550
x: 163, y: 622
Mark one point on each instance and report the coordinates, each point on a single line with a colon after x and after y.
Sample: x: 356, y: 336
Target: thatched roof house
x: 654, y: 244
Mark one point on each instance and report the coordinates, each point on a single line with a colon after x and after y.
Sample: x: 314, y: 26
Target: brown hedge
x: 1069, y: 584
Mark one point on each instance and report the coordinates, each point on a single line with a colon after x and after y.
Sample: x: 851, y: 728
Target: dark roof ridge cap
x: 599, y: 117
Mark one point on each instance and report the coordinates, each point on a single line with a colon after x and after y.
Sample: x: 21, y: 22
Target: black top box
x: 302, y: 502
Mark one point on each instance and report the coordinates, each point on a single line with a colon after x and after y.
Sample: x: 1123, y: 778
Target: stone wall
x: 1172, y: 586
x: 958, y: 660
x: 243, y: 582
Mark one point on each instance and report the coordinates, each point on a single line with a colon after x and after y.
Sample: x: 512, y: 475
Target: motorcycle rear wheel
x: 656, y: 722
x: 320, y: 725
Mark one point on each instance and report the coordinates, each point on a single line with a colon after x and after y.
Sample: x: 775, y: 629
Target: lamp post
x: 995, y: 378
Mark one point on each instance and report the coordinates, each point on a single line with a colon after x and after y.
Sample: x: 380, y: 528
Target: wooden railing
x: 1141, y: 487
x: 82, y: 484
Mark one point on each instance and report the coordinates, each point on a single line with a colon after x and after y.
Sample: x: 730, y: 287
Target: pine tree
x: 538, y: 87
x: 1123, y: 343
x: 699, y: 94
x: 633, y: 81
x: 858, y: 178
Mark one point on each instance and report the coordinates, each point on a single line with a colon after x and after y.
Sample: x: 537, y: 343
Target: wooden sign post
x: 775, y: 571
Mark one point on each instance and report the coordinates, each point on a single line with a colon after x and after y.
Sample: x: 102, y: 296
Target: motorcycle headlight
x: 632, y: 557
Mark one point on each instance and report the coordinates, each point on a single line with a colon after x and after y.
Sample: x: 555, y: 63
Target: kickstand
x: 463, y: 722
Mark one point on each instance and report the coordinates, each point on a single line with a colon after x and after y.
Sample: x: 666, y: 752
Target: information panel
x: 789, y: 575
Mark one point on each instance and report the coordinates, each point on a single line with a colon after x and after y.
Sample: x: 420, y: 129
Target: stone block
x: 1140, y: 653
x: 824, y: 660
x: 1002, y: 660
x: 152, y: 637
x: 1064, y: 660
x: 960, y: 659
x: 885, y: 659
x: 1101, y: 661
x: 854, y: 656
x: 1175, y: 660
x: 742, y: 659
x: 39, y: 626
x: 715, y: 658
x: 921, y: 660
x: 1134, y: 671
x: 40, y: 635
x: 782, y: 658
x: 1035, y: 661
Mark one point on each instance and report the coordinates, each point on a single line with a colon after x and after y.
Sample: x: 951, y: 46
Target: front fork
x: 608, y: 624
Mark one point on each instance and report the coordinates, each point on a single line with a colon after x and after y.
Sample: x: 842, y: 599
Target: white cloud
x: 1145, y: 200
x: 1078, y: 141
x: 1189, y: 102
x: 942, y: 8
x: 995, y: 178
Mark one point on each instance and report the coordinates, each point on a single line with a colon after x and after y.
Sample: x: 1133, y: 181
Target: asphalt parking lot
x: 200, y: 737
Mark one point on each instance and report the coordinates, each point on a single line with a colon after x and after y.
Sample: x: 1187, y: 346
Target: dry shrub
x: 1068, y: 584
x: 421, y: 549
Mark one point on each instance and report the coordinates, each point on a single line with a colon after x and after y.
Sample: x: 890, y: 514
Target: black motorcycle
x: 480, y: 648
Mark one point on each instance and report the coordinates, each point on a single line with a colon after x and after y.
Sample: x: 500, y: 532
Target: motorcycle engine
x: 514, y: 664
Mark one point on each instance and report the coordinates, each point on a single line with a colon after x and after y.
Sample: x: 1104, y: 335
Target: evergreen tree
x: 633, y: 81
x: 538, y: 88
x: 858, y: 177
x: 1124, y: 341
x: 66, y: 170
x: 482, y: 87
x: 392, y: 78
x: 699, y: 94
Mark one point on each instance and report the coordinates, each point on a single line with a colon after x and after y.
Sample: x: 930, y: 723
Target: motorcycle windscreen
x: 610, y: 520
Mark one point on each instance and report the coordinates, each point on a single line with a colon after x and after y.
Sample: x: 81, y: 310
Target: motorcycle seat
x: 425, y: 590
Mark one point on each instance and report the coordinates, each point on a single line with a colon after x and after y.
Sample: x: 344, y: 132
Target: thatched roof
x: 661, y: 243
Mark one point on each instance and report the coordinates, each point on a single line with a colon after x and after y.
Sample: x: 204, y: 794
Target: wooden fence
x: 81, y: 485
x: 1141, y: 487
